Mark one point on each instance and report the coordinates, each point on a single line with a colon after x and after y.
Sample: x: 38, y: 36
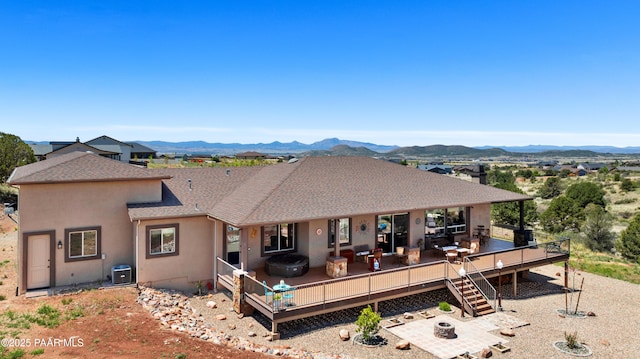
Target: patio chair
x: 288, y: 296
x: 267, y: 293
x: 472, y: 248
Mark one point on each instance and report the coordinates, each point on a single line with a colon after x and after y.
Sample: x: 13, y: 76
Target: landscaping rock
x: 508, y: 332
x: 403, y: 345
x: 344, y: 335
x: 486, y: 353
x: 211, y: 304
x: 408, y: 315
x: 591, y: 314
x: 221, y: 317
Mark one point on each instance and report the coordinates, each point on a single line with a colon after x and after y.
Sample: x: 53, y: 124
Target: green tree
x: 562, y: 214
x: 551, y: 188
x: 496, y: 177
x: 584, y: 192
x: 564, y: 173
x: 367, y: 323
x: 13, y: 153
x: 616, y: 177
x: 629, y: 243
x: 509, y: 212
x: 596, y: 230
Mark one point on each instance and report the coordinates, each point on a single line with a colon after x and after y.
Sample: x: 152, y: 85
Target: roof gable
x: 79, y: 167
x: 106, y: 140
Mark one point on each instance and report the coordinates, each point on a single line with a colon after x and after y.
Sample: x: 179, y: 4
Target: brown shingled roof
x: 79, y: 167
x: 313, y: 188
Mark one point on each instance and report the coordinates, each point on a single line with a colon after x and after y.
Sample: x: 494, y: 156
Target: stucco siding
x: 61, y: 207
x: 194, y: 261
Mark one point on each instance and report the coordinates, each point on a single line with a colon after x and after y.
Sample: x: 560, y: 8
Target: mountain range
x: 335, y: 146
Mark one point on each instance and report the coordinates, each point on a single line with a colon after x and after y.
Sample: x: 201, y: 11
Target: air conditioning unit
x: 121, y: 274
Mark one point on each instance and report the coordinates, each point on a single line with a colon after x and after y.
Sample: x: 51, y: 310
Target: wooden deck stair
x: 474, y: 297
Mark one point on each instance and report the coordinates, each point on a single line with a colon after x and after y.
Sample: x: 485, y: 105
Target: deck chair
x: 452, y: 255
x: 288, y: 297
x: 267, y: 293
x: 472, y: 248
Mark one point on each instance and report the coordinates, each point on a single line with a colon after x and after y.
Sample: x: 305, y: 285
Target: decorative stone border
x: 445, y: 312
x: 578, y: 314
x: 581, y: 351
x: 393, y: 322
x: 426, y: 314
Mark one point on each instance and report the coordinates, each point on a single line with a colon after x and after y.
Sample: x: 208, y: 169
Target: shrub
x: 367, y: 323
x: 444, y: 306
x: 572, y: 340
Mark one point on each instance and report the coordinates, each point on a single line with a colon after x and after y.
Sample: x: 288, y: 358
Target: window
x: 344, y: 226
x: 162, y: 240
x: 439, y: 222
x: 82, y: 244
x: 278, y: 238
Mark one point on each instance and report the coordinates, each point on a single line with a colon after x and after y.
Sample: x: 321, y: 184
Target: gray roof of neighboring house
x: 312, y: 188
x: 80, y: 147
x: 138, y: 148
x: 41, y: 150
x: 106, y: 140
x: 109, y: 148
x: 79, y: 167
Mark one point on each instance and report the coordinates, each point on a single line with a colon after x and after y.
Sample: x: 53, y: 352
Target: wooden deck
x: 316, y: 293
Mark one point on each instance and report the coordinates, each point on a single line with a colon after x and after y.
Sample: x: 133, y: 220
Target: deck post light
x: 499, y: 265
x: 462, y: 273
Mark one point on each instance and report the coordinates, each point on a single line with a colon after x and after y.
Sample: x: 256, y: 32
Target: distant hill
x: 544, y: 148
x: 446, y: 151
x: 269, y: 148
x: 338, y: 147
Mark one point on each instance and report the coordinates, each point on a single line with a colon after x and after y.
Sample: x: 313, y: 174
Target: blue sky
x: 390, y: 72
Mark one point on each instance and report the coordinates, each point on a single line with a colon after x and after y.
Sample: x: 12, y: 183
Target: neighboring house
x: 476, y: 171
x: 80, y: 147
x: 104, y: 146
x: 82, y: 214
x: 439, y: 169
x: 251, y: 155
x: 141, y: 152
x: 107, y: 143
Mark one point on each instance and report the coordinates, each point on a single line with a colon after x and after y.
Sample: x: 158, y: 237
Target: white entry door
x: 38, y: 261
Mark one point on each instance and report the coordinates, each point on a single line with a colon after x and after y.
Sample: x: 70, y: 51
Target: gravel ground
x: 611, y: 333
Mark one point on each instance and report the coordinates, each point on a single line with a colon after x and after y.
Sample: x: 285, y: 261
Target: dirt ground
x: 112, y: 323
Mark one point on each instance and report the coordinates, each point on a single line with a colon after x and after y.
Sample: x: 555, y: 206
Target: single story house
x: 81, y: 214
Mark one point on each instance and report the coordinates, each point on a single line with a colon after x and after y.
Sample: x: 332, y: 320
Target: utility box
x: 121, y: 274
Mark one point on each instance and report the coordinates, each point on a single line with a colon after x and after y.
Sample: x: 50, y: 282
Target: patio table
x: 286, y: 290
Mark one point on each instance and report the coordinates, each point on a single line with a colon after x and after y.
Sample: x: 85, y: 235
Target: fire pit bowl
x: 444, y: 330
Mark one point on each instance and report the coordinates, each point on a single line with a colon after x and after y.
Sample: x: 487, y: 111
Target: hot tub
x: 287, y: 265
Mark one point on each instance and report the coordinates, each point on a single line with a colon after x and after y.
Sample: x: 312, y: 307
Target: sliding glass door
x: 393, y: 231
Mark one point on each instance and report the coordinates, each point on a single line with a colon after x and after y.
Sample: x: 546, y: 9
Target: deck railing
x: 480, y: 282
x: 367, y: 285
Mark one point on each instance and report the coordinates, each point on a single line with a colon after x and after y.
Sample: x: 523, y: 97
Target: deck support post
x: 375, y: 306
x: 515, y: 283
x: 274, y: 331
